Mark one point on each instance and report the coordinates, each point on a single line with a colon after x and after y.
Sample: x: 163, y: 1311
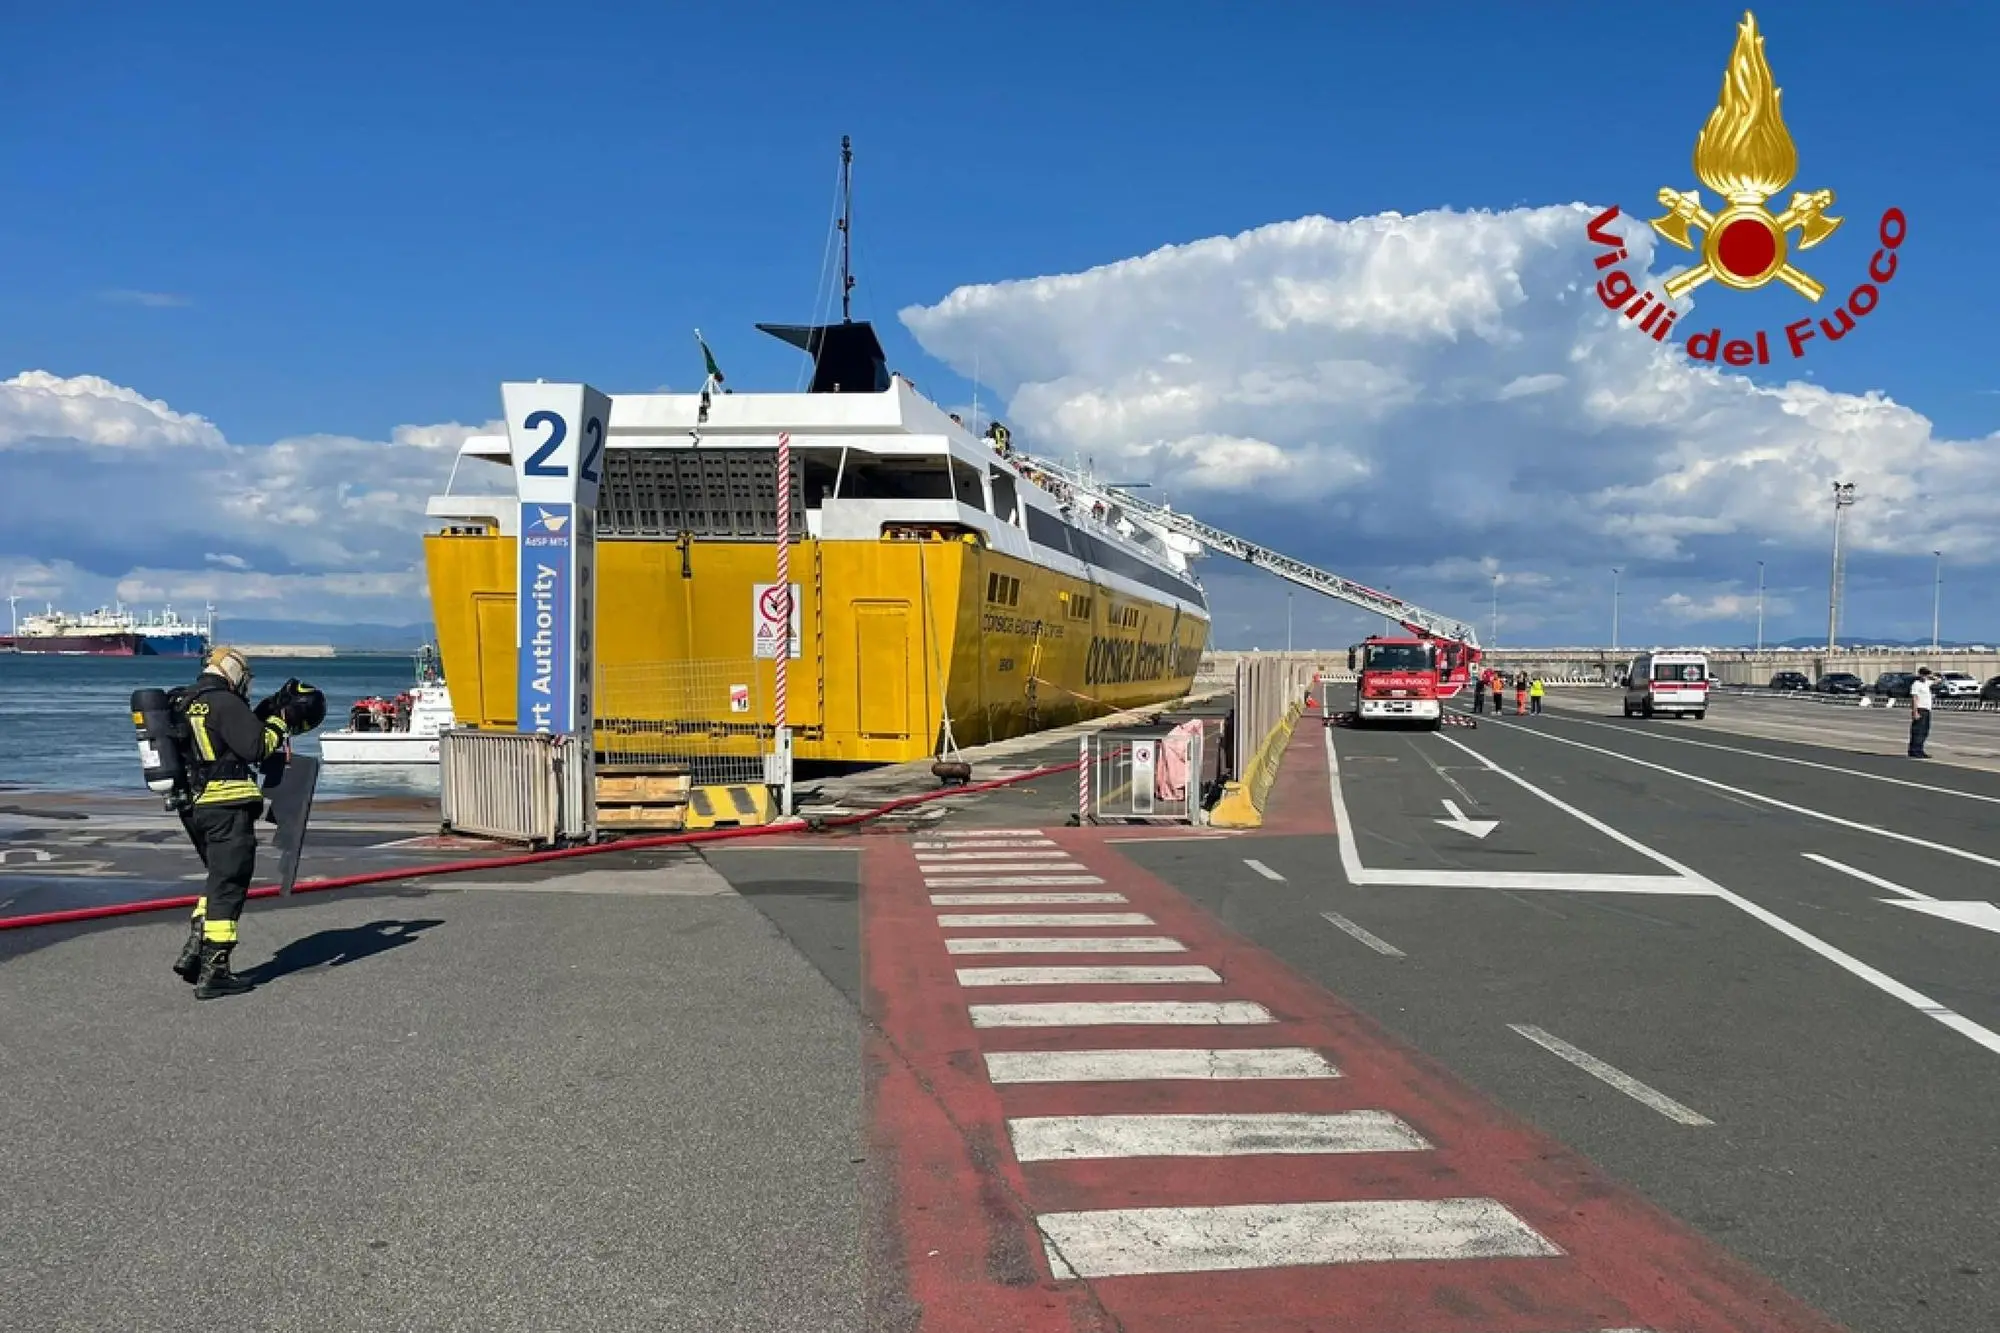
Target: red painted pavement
x: 964, y: 1206
x: 1298, y: 801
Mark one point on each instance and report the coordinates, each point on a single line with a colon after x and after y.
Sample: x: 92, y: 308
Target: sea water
x: 66, y: 722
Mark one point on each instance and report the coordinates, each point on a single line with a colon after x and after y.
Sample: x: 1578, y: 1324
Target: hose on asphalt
x: 187, y: 900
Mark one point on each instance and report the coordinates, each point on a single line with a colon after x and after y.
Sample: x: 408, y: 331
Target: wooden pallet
x: 650, y: 799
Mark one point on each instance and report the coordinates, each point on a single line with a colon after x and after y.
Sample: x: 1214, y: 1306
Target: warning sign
x: 739, y: 698
x: 767, y: 629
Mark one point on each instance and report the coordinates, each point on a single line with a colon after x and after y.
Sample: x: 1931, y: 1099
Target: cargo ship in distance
x: 936, y: 575
x: 107, y: 632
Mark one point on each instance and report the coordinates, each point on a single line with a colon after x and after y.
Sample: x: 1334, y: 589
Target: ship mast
x: 846, y: 217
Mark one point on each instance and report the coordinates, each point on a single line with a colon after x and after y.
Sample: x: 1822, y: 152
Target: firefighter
x: 231, y: 745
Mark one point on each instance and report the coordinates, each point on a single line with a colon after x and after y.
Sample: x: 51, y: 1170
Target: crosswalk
x: 1123, y: 1094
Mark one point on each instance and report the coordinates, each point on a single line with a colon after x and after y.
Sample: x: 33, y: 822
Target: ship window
x: 1003, y: 589
x: 965, y: 485
x: 896, y: 479
x: 1079, y: 607
x: 1006, y: 502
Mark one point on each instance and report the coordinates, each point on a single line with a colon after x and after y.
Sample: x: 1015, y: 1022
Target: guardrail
x: 514, y: 786
x: 1942, y: 703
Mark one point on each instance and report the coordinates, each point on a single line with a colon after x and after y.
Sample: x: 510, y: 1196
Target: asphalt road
x: 1817, y: 1069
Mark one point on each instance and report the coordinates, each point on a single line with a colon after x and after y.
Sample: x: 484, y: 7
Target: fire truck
x: 1402, y: 678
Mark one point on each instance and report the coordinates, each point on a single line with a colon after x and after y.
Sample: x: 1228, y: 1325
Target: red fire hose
x: 533, y: 858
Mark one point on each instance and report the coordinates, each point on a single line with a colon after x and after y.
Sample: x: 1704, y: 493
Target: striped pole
x: 781, y: 712
x: 1083, y: 780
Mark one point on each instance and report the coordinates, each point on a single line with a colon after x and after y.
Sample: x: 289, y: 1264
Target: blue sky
x: 359, y: 219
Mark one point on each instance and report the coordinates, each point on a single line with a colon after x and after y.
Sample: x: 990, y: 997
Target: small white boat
x: 402, y: 730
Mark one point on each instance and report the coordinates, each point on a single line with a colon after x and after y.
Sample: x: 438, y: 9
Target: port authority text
x: 1655, y: 317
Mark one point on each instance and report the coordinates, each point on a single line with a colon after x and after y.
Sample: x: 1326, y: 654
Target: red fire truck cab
x: 1402, y: 679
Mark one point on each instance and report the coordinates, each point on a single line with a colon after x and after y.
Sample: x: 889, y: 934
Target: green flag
x: 708, y: 358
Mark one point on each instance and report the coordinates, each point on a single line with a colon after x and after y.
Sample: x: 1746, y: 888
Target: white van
x: 1667, y: 682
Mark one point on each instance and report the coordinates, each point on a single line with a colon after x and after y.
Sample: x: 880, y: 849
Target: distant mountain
x: 361, y: 637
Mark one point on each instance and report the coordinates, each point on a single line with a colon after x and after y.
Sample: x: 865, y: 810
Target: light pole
x: 1496, y: 612
x: 1937, y: 596
x: 1760, y: 606
x: 1843, y: 497
x: 1614, y: 610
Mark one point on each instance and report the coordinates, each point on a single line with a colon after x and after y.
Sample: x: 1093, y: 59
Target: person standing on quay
x: 1920, y: 713
x: 1535, y: 695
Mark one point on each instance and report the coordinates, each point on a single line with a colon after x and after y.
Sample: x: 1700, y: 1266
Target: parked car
x: 1956, y: 684
x: 1839, y: 682
x: 1990, y: 691
x: 1892, y: 685
x: 1791, y: 680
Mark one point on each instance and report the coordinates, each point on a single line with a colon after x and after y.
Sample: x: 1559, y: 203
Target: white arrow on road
x: 1478, y: 828
x: 1983, y: 916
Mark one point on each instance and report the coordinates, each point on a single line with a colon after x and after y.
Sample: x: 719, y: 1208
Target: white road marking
x: 1978, y: 915
x: 982, y: 842
x: 1865, y: 877
x: 1064, y: 867
x: 1216, y: 836
x: 989, y: 833
x: 1020, y: 899
x: 1263, y: 870
x: 33, y: 855
x: 1912, y: 840
x: 1119, y: 1242
x: 1555, y: 881
x: 995, y: 920
x: 1478, y: 828
x: 1366, y: 936
x: 1064, y: 944
x: 1088, y: 976
x: 1882, y: 981
x: 1007, y: 881
x: 1788, y: 759
x: 1617, y: 1078
x: 1144, y: 1066
x: 1140, y: 1013
x: 937, y: 858
x: 1068, y: 1138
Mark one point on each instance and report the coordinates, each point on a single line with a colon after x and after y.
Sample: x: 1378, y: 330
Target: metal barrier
x: 509, y: 785
x: 706, y: 717
x: 1125, y: 779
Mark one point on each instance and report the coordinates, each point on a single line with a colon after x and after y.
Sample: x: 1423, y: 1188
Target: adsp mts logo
x: 1746, y: 156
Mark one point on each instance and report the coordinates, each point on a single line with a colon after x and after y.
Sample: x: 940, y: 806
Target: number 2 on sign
x: 538, y: 464
x: 593, y: 445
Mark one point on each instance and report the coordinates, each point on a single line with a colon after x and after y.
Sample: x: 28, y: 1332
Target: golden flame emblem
x: 1745, y: 154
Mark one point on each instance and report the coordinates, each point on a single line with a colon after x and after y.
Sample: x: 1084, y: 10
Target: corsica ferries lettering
x: 1123, y: 661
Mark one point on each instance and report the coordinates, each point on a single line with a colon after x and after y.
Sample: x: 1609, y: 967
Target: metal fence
x: 706, y: 717
x: 1141, y: 779
x: 1266, y: 688
x: 512, y: 785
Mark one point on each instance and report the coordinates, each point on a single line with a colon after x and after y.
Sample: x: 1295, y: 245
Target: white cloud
x: 116, y: 495
x: 1445, y: 391
x: 153, y: 300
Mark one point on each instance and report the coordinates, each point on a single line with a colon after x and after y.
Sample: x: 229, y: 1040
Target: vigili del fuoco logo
x: 1745, y: 155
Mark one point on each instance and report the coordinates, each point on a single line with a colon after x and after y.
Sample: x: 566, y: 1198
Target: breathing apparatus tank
x: 163, y: 737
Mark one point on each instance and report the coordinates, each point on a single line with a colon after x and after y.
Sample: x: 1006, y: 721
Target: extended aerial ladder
x: 1417, y: 620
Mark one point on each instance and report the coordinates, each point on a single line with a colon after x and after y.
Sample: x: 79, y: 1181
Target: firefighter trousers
x: 225, y: 836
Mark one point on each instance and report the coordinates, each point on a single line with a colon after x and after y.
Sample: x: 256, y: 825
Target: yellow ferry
x: 937, y: 576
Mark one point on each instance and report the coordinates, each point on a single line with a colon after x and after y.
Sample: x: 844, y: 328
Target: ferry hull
x: 894, y: 634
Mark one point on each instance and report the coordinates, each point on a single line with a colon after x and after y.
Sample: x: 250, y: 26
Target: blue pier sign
x: 557, y: 435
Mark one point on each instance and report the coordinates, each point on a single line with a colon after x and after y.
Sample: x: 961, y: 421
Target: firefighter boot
x: 216, y: 978
x: 188, y: 966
